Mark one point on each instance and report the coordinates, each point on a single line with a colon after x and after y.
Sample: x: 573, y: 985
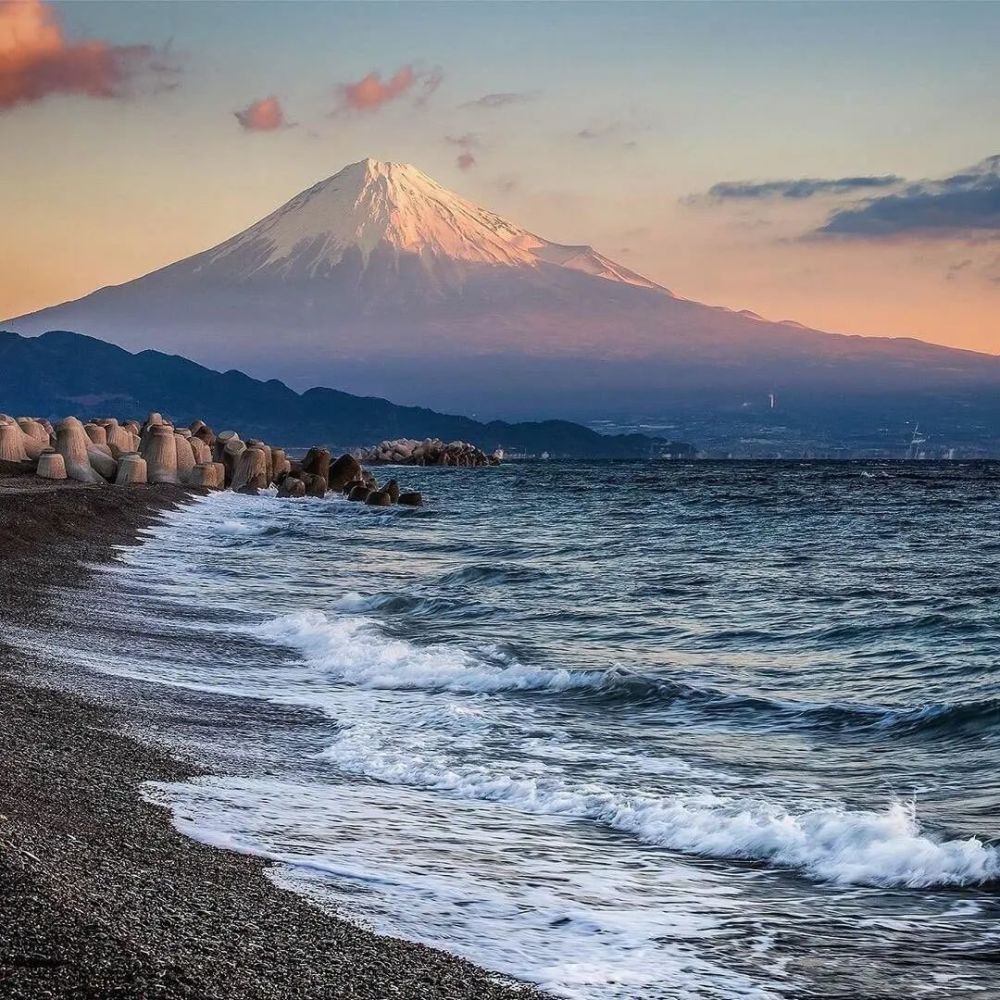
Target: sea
x: 621, y: 730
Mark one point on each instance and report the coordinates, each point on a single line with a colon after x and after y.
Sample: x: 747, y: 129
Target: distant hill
x: 61, y: 372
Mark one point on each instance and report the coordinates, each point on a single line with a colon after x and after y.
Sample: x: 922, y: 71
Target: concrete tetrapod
x: 131, y: 469
x: 185, y: 457
x: 36, y: 437
x: 12, y: 445
x: 101, y: 460
x: 71, y: 443
x: 231, y: 451
x: 250, y: 474
x: 161, y: 454
x: 51, y: 465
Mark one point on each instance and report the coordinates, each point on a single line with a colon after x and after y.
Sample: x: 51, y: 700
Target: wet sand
x: 99, y: 895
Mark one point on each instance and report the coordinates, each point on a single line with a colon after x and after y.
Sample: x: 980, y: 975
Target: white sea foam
x: 595, y: 938
x: 354, y: 651
x: 834, y: 844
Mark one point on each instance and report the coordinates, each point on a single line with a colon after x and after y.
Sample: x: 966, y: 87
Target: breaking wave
x: 354, y: 650
x: 833, y: 844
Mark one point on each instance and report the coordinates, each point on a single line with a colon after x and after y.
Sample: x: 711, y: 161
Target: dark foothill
x: 410, y: 500
x: 346, y: 468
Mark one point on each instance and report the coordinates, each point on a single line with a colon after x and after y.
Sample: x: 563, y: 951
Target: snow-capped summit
x: 372, y: 205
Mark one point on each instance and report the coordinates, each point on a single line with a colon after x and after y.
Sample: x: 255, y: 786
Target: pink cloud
x: 371, y: 92
x: 264, y: 115
x: 36, y: 58
x: 465, y: 161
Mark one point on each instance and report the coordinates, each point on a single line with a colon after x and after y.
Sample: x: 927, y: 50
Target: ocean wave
x: 833, y: 844
x: 494, y: 573
x: 353, y: 650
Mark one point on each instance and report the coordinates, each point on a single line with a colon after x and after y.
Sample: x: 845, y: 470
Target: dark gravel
x: 99, y: 895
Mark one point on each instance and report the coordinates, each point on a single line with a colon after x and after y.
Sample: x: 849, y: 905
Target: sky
x: 832, y: 163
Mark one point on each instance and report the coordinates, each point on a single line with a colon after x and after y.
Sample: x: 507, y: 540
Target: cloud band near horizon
x: 966, y: 203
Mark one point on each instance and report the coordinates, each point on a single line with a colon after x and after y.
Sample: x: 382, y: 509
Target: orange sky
x: 138, y: 135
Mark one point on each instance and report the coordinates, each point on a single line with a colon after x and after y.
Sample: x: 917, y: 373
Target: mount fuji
x: 381, y: 281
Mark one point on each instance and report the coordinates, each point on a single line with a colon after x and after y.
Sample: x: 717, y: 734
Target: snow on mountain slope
x: 371, y: 205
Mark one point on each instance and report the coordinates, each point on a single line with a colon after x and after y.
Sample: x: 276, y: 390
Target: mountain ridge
x: 62, y: 372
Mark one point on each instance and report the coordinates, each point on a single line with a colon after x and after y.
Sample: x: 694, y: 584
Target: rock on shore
x: 430, y: 451
x: 156, y: 452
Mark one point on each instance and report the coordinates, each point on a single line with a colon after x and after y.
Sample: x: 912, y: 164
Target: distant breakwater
x: 106, y: 451
x: 430, y: 451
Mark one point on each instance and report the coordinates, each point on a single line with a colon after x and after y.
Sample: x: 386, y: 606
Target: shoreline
x: 99, y: 894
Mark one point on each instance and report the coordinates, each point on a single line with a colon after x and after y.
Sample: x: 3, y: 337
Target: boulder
x: 315, y: 484
x: 317, y: 463
x: 292, y: 486
x: 410, y: 499
x: 131, y: 469
x: 343, y: 471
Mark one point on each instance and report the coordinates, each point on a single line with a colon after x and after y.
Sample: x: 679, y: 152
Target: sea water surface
x: 622, y: 730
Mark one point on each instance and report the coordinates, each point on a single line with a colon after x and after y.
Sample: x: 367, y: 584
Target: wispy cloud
x: 37, y: 59
x: 600, y: 131
x: 466, y: 159
x: 470, y: 140
x: 371, y: 92
x: 503, y: 100
x: 966, y: 203
x: 264, y: 115
x: 507, y: 183
x: 798, y: 188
